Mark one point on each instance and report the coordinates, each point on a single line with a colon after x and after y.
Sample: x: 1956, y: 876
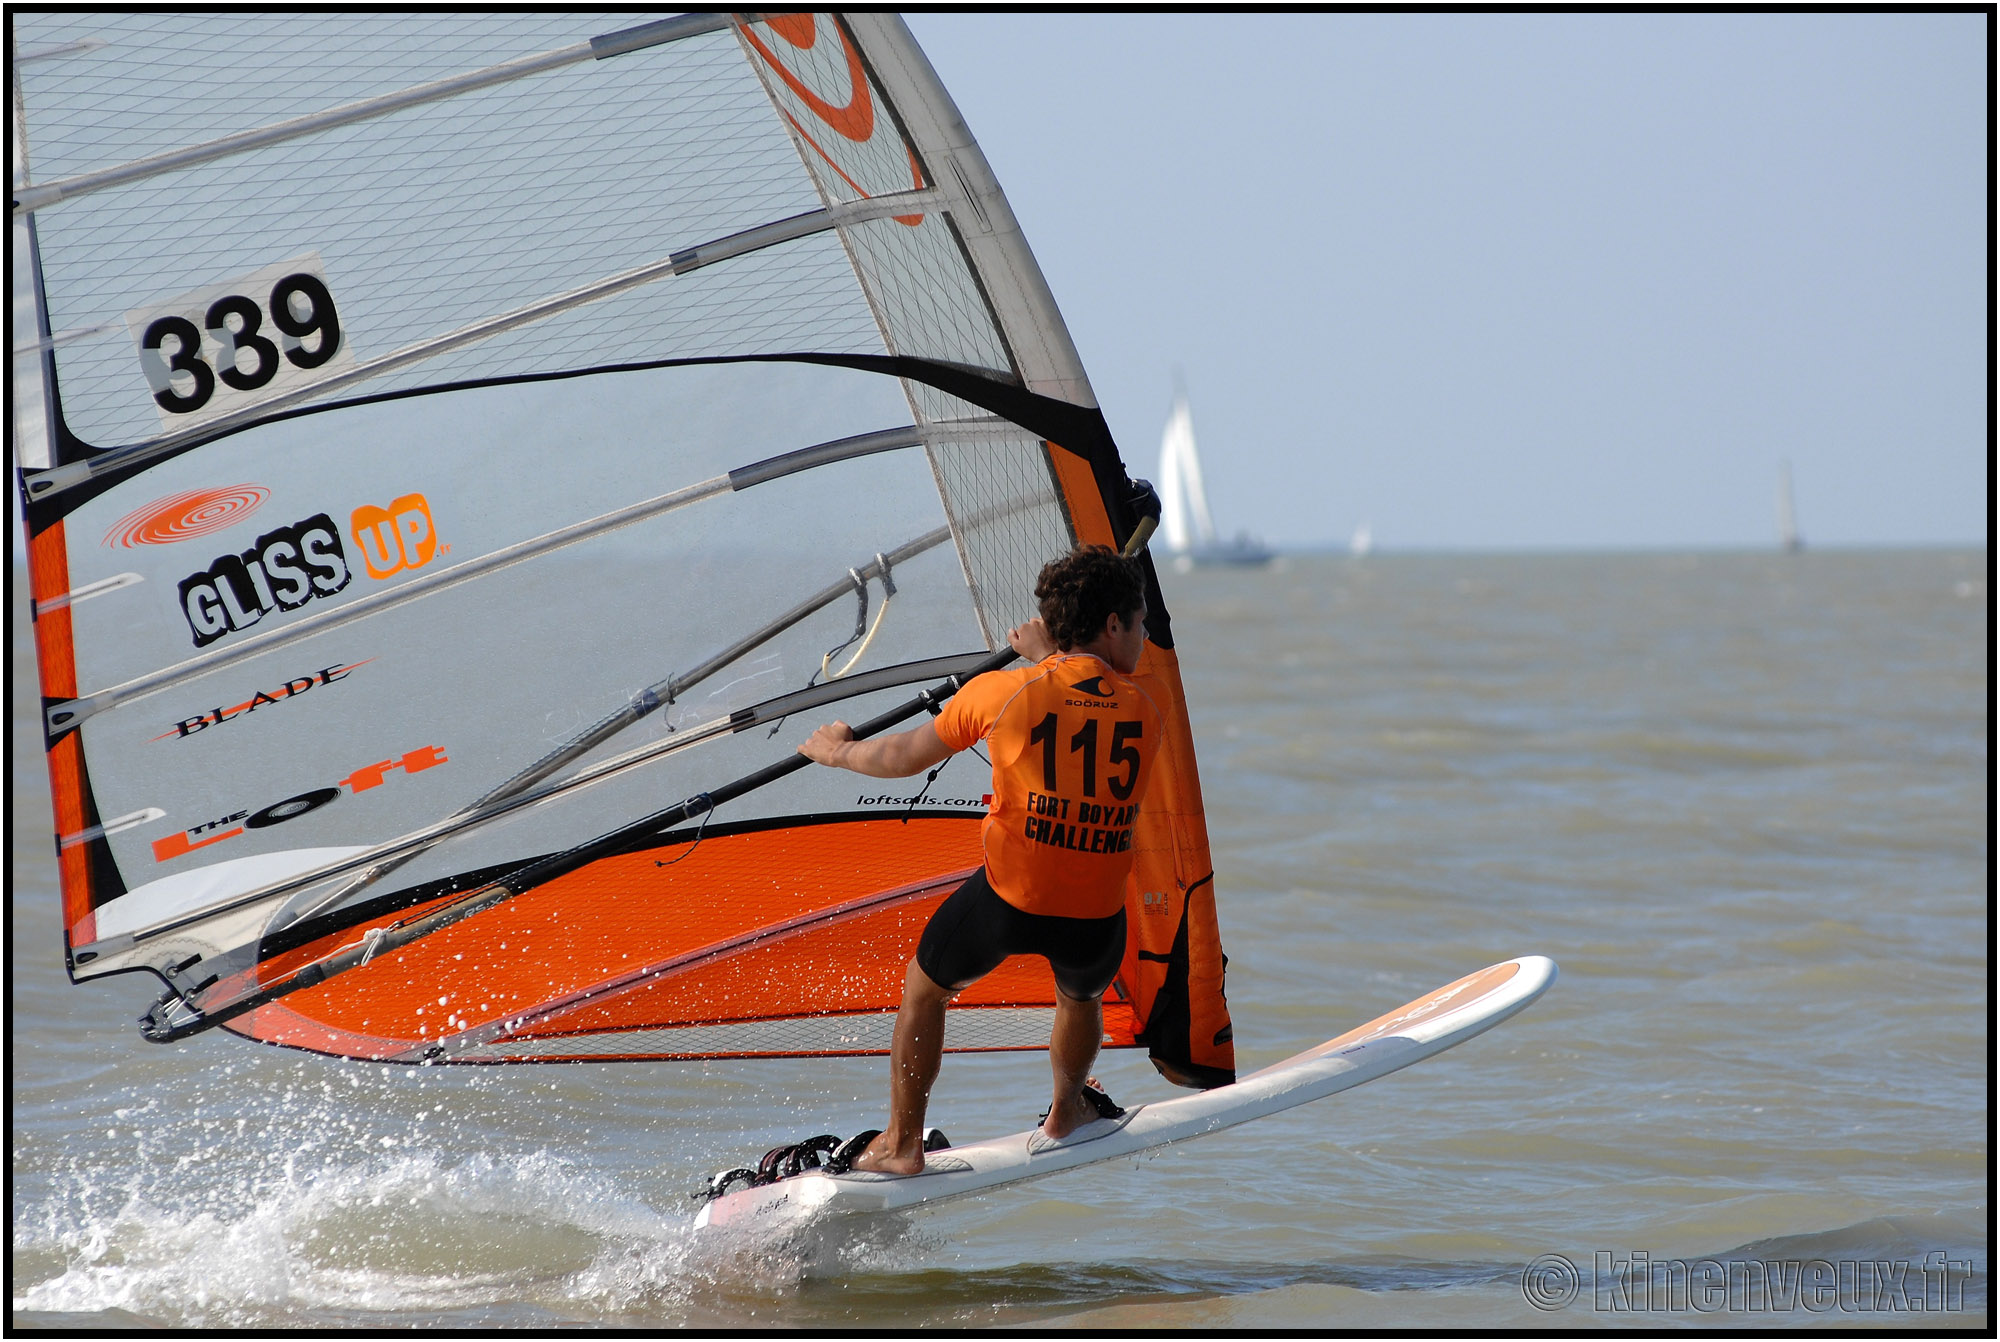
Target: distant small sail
x: 1788, y: 525
x: 1362, y: 542
x: 1184, y: 517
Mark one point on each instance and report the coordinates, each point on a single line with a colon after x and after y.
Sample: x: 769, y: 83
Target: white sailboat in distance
x: 1789, y: 539
x: 1184, y: 516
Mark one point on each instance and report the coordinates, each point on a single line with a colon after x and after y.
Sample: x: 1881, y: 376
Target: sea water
x: 1742, y: 799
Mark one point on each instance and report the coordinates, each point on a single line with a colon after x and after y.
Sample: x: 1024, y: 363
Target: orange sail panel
x: 748, y: 964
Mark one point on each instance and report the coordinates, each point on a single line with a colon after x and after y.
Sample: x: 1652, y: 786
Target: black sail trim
x: 1167, y: 1034
x: 1078, y: 430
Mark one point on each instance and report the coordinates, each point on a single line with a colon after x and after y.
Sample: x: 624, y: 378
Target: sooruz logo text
x: 291, y: 689
x: 291, y: 808
x: 289, y: 567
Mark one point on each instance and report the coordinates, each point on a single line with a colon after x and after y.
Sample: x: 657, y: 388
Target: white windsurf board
x: 1415, y: 1031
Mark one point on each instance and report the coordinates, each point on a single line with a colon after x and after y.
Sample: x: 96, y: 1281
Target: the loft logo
x: 1153, y: 901
x: 395, y: 538
x: 284, y: 570
x: 278, y: 812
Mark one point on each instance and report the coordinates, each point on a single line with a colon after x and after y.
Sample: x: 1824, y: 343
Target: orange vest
x: 1072, y: 744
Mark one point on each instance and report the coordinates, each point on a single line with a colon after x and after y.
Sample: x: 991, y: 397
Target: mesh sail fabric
x: 430, y: 495
x: 427, y: 219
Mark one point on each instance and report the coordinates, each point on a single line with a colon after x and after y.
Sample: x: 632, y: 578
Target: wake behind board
x: 1415, y: 1031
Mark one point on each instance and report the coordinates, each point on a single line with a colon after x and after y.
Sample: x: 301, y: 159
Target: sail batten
x: 431, y: 512
x: 513, y: 793
x: 29, y: 197
x: 750, y: 240
x: 70, y: 713
x: 123, y: 822
x: 500, y: 807
x: 806, y: 458
x: 76, y: 48
x: 61, y: 338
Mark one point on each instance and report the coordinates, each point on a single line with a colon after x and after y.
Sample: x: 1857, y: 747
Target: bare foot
x: 883, y: 1158
x: 1066, y: 1117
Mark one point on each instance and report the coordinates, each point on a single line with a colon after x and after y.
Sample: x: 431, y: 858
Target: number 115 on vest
x: 1124, y: 754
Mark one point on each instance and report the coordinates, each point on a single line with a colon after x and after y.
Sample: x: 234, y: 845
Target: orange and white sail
x: 462, y: 454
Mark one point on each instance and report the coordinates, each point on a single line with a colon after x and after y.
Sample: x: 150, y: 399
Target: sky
x: 1517, y: 281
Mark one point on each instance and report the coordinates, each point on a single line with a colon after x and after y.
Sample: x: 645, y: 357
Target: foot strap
x: 843, y: 1158
x: 783, y: 1162
x: 780, y: 1162
x: 1098, y: 1100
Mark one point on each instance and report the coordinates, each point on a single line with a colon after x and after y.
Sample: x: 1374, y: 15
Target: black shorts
x: 975, y: 929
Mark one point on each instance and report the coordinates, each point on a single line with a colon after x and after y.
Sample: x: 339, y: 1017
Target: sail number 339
x: 227, y: 346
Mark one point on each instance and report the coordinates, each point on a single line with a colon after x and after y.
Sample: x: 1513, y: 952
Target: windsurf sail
x: 1788, y: 520
x: 1185, y: 522
x: 1184, y: 517
x: 463, y: 454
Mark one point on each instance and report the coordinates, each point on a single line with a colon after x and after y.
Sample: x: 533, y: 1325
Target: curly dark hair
x: 1084, y: 588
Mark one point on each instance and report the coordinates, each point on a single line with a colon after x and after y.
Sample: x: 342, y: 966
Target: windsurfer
x: 1072, y: 742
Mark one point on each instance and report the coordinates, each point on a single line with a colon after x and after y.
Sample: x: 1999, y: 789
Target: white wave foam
x: 411, y: 1233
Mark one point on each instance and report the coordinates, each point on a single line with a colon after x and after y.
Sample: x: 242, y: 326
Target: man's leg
x: 914, y: 1054
x: 1072, y: 1049
x: 1084, y: 967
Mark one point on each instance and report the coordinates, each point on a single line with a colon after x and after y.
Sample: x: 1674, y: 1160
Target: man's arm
x: 897, y: 756
x: 916, y: 750
x: 1032, y: 640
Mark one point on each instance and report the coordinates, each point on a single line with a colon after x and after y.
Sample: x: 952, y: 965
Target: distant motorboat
x: 1184, y: 516
x: 1789, y: 539
x: 1362, y: 542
